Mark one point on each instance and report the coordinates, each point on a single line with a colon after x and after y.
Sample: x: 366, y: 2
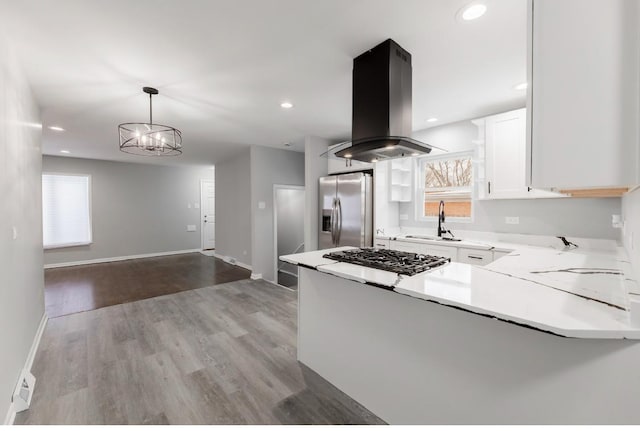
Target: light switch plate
x: 262, y: 205
x: 191, y: 228
x: 196, y: 205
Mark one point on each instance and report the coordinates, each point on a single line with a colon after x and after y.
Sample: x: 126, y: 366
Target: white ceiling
x: 224, y: 66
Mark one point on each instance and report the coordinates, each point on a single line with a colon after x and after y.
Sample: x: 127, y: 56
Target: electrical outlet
x: 512, y: 220
x: 191, y: 228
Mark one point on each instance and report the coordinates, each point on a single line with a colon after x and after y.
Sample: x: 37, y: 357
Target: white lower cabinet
x: 381, y: 243
x: 475, y: 256
x: 471, y: 256
x: 405, y: 246
x: 434, y: 250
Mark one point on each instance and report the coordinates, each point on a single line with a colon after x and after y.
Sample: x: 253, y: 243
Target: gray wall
x: 314, y: 168
x: 233, y: 208
x: 564, y: 216
x: 136, y: 208
x: 21, y: 275
x: 269, y: 166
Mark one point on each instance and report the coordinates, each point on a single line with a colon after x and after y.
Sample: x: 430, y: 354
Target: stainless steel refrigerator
x: 346, y: 211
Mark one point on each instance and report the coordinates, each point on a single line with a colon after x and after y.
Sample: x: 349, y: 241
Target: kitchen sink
x: 432, y: 238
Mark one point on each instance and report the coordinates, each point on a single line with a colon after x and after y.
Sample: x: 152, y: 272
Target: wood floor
x: 88, y: 287
x: 224, y: 354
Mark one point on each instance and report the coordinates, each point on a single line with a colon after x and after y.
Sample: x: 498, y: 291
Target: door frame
x: 202, y: 182
x: 277, y: 187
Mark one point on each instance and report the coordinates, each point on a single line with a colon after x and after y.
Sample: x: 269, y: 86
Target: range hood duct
x: 381, y: 122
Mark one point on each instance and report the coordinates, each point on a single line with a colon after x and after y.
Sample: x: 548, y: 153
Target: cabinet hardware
x: 489, y: 184
x: 474, y: 257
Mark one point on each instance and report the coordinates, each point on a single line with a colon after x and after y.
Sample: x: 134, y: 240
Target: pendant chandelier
x: 148, y: 139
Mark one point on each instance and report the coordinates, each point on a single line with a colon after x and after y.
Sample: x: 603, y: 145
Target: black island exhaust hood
x: 381, y: 123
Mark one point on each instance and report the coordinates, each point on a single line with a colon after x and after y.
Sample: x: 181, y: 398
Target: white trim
x: 36, y: 342
x: 11, y: 415
x: 233, y: 261
x: 257, y: 276
x: 202, y: 181
x: 119, y: 258
x: 11, y: 412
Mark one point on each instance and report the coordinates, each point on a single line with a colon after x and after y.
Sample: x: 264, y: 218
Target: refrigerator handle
x: 339, y: 222
x: 332, y: 222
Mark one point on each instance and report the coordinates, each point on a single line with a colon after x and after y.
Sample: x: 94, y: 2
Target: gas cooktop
x: 400, y: 262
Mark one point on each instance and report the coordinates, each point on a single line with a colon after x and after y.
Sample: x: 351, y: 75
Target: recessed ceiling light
x: 65, y: 151
x: 286, y: 105
x: 472, y: 11
x: 390, y: 146
x: 56, y: 128
x: 522, y: 86
x: 374, y: 160
x: 432, y: 120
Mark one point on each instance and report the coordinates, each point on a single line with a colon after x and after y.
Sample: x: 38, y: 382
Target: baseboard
x: 36, y: 342
x: 256, y: 276
x: 118, y: 258
x: 233, y: 261
x: 11, y: 413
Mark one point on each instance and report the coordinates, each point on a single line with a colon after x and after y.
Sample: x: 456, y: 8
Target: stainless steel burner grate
x: 400, y: 262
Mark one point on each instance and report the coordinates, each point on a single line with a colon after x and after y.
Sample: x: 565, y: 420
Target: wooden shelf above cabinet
x: 611, y: 192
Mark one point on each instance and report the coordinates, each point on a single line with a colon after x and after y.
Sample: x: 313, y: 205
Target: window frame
x: 420, y: 188
x: 90, y: 204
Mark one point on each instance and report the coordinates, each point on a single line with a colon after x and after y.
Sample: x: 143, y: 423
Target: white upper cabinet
x: 505, y: 155
x: 584, y: 100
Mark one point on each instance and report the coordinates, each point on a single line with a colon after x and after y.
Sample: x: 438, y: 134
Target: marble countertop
x: 576, y: 293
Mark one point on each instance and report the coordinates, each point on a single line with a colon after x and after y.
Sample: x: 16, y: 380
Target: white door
x: 208, y: 213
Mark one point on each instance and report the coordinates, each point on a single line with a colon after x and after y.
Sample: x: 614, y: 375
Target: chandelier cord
x: 150, y: 110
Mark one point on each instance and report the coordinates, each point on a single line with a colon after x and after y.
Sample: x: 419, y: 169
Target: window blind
x: 66, y: 210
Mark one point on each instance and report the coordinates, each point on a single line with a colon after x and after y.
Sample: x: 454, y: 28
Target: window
x: 66, y: 210
x: 447, y: 179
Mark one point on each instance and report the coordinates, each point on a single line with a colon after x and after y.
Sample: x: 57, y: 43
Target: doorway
x: 208, y: 214
x: 288, y: 220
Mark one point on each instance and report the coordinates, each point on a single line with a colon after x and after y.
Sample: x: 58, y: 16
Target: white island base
x: 412, y: 361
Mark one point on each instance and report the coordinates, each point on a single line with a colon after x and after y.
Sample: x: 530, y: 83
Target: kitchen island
x: 539, y: 336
